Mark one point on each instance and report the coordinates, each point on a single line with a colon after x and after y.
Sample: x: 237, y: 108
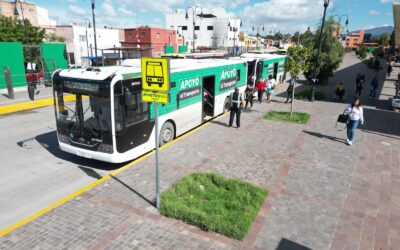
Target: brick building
x: 154, y: 38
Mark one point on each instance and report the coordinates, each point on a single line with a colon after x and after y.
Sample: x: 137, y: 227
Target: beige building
x: 20, y: 9
x: 396, y: 21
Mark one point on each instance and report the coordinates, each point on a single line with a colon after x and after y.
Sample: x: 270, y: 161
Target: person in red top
x: 260, y: 86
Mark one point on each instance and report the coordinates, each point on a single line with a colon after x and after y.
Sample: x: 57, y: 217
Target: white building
x: 80, y: 50
x: 210, y: 31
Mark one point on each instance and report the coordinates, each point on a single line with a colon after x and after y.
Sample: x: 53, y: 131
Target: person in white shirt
x: 356, y: 116
x: 270, y: 87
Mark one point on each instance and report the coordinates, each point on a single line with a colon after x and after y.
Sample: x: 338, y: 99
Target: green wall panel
x: 11, y: 56
x: 54, y: 57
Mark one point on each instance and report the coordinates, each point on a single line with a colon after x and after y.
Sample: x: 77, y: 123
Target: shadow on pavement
x: 224, y: 124
x: 286, y: 244
x: 50, y: 143
x: 133, y: 190
x: 90, y: 172
x: 319, y: 135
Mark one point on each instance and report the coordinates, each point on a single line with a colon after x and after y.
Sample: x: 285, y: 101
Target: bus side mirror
x: 129, y: 99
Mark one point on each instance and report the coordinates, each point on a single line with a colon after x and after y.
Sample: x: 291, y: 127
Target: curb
x: 17, y: 107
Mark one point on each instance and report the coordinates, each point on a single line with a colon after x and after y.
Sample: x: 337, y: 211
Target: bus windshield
x: 83, y: 111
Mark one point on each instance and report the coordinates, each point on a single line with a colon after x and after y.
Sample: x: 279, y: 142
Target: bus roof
x: 133, y: 66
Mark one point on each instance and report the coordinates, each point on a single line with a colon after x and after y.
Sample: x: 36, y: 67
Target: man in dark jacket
x: 374, y: 86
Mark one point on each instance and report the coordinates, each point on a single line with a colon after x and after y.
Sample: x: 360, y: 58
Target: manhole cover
x: 385, y: 143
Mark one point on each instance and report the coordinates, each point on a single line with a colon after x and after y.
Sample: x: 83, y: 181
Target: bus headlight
x: 63, y: 138
x: 105, y: 148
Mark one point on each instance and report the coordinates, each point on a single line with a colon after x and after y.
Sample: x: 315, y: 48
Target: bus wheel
x: 226, y: 105
x: 167, y: 133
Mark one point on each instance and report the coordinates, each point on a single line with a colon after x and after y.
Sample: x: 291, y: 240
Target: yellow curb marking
x: 31, y: 105
x: 104, y: 178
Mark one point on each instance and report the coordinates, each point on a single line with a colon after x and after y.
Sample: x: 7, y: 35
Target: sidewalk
x: 323, y: 194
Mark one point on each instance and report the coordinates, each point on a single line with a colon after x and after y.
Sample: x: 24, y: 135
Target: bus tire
x: 167, y: 133
x: 226, y: 105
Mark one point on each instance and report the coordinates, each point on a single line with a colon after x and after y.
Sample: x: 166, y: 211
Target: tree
x: 52, y: 37
x: 12, y: 30
x: 298, y: 60
x: 362, y: 51
x: 332, y: 53
x: 383, y: 39
x: 308, y: 38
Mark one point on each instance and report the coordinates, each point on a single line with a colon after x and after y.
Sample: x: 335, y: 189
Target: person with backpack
x: 356, y: 116
x: 290, y: 89
x: 260, y: 86
x: 389, y: 69
x: 360, y: 85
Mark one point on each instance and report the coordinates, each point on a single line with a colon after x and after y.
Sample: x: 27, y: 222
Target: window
x: 210, y: 27
x: 196, y: 27
x: 238, y: 75
x: 184, y: 27
x: 143, y: 34
x: 230, y: 28
x: 136, y: 111
x: 82, y: 38
x: 158, y: 35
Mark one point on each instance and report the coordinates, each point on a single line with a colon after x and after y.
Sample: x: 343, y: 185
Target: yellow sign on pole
x: 155, y: 74
x: 153, y: 96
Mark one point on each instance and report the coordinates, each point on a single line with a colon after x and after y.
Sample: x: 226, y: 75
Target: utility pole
x: 194, y: 22
x: 94, y: 29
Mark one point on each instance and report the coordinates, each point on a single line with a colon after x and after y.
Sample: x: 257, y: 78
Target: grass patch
x: 297, y: 117
x: 306, y: 94
x: 214, y: 203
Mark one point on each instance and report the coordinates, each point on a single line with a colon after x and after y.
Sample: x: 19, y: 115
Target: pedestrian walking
x: 260, y: 86
x: 360, y: 85
x: 236, y: 103
x: 389, y: 69
x: 249, y: 95
x: 358, y: 78
x: 356, y: 116
x: 270, y: 83
x: 374, y: 87
x: 290, y: 90
x: 340, y: 91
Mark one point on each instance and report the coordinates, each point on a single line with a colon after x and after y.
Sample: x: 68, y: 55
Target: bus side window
x: 238, y: 75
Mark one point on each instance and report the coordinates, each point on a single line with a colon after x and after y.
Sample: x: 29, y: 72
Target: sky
x: 286, y: 16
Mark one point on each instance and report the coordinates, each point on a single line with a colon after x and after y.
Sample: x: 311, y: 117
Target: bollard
x: 10, y: 88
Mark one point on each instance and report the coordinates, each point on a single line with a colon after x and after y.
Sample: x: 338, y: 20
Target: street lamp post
x: 87, y: 24
x: 312, y: 98
x: 258, y: 33
x: 340, y: 22
x: 194, y: 9
x: 94, y: 29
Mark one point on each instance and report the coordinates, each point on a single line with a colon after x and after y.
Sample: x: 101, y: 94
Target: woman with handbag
x: 356, y: 116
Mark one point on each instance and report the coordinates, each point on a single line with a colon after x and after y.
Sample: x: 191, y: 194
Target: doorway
x: 259, y: 70
x: 275, y: 70
x: 208, y: 95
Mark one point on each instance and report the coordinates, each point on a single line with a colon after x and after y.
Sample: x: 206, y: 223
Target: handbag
x: 343, y: 118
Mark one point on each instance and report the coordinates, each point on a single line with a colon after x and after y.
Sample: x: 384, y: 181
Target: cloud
x: 374, y: 12
x: 291, y: 18
x: 76, y: 10
x: 108, y: 9
x: 125, y: 11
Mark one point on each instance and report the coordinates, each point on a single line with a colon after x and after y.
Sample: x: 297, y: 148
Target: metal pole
x: 318, y: 53
x: 94, y: 29
x: 87, y: 42
x: 157, y: 162
x: 194, y: 38
x: 10, y: 88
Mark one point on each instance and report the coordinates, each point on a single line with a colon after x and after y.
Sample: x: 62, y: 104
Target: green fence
x: 11, y: 56
x: 169, y: 49
x: 182, y: 49
x: 54, y: 56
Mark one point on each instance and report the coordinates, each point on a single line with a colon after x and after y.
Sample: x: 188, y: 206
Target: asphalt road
x: 34, y: 172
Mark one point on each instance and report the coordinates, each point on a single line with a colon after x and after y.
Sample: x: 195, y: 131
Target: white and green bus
x: 108, y: 120
x: 263, y: 65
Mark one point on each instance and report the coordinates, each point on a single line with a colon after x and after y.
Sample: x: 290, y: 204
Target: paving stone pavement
x: 323, y: 194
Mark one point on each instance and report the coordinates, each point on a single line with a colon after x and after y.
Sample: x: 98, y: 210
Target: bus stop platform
x: 323, y: 194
